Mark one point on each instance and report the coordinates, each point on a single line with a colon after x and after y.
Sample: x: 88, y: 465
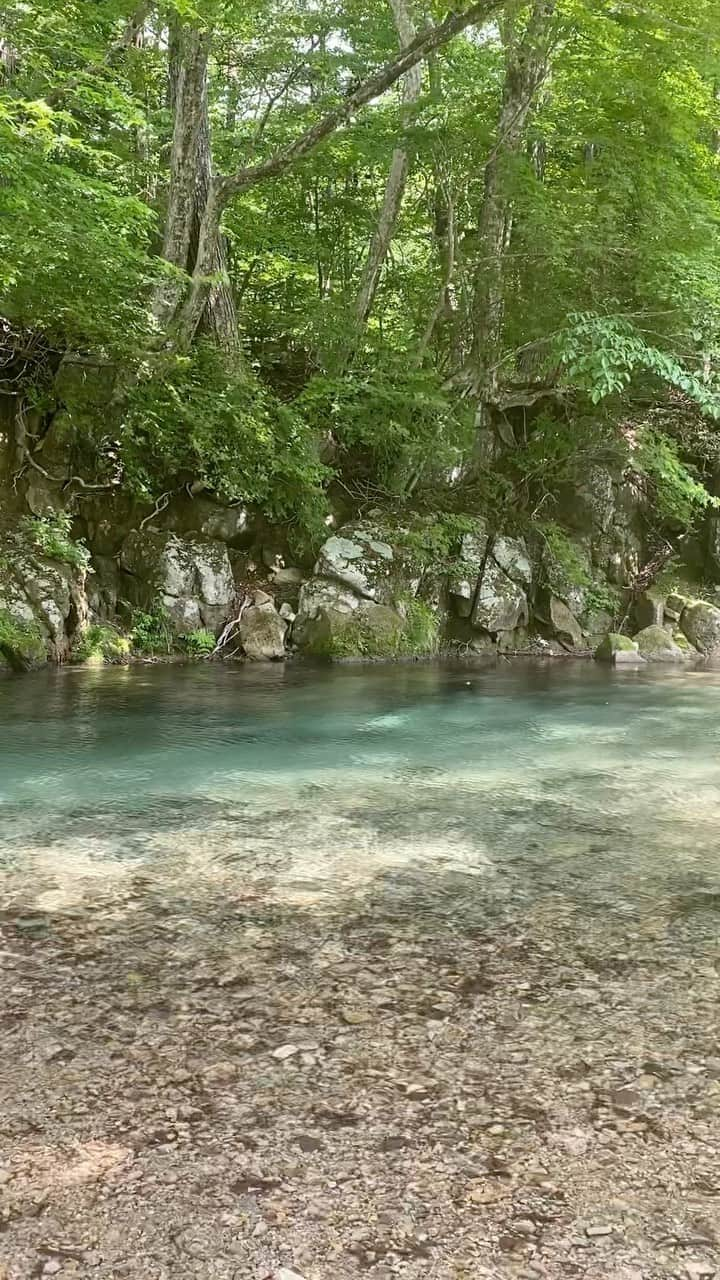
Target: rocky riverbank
x: 201, y: 578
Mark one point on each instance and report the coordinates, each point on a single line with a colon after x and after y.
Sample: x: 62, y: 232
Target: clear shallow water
x: 562, y: 788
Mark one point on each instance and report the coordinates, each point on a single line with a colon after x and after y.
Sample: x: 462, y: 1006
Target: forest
x: 322, y: 257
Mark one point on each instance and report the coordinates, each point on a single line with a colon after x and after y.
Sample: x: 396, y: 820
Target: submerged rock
x: 657, y: 645
x: 700, y: 623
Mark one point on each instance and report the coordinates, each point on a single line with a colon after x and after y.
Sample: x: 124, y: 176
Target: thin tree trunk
x: 191, y: 188
x: 446, y: 239
x: 224, y: 189
x: 396, y: 182
x: 527, y: 66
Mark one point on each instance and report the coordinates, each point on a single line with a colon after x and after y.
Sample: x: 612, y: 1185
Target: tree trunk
x: 527, y: 66
x: 224, y: 188
x: 396, y: 182
x: 191, y: 189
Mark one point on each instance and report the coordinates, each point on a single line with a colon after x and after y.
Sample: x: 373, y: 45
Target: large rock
x: 657, y: 645
x: 616, y: 648
x: 649, y: 608
x: 369, y: 631
x: 500, y: 604
x: 262, y: 632
x: 463, y: 579
x: 43, y: 601
x: 700, y: 623
x: 511, y: 555
x: 358, y: 559
x: 564, y: 624
x: 192, y: 577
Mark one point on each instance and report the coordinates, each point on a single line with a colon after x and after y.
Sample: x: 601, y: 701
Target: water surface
x: 441, y: 791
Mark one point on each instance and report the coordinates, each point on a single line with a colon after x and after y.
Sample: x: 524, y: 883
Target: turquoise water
x: 435, y: 790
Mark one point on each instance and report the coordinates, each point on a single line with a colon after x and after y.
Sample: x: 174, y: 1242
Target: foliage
x: 51, y: 536
x: 101, y: 641
x: 420, y: 635
x: 603, y: 353
x: 608, y: 274
x: 197, y: 644
x: 205, y: 422
x: 391, y: 423
x: 21, y: 643
x: 678, y: 494
x: 151, y: 633
x: 565, y: 568
x: 433, y: 543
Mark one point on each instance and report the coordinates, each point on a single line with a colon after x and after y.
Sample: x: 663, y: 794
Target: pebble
x: 285, y: 1051
x: 598, y: 1230
x: 700, y: 1270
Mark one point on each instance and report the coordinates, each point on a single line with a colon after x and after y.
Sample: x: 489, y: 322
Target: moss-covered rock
x: 614, y: 644
x: 700, y: 623
x: 656, y: 644
x: 21, y: 641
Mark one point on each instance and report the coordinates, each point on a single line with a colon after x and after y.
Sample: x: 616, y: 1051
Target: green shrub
x: 679, y: 495
x: 101, y: 641
x: 50, y: 535
x: 198, y: 644
x: 564, y: 566
x: 421, y: 632
x: 202, y: 418
x: 21, y: 643
x: 151, y: 632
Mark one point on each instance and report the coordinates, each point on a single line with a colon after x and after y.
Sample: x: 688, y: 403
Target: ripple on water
x: 568, y: 786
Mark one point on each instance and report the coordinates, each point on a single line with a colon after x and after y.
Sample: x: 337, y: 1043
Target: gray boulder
x: 262, y: 632
x: 657, y: 645
x: 700, y: 623
x: 511, y: 555
x: 564, y: 624
x: 649, y: 609
x: 192, y: 576
x: 358, y: 559
x: 500, y: 604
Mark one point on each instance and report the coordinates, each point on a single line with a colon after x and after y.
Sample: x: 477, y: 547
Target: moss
x: 614, y: 643
x: 376, y: 631
x: 101, y: 643
x: 21, y: 643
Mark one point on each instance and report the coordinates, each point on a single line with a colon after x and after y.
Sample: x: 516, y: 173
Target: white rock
x: 285, y: 1051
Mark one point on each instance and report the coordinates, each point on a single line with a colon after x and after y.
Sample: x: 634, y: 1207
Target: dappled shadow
x: 397, y: 1075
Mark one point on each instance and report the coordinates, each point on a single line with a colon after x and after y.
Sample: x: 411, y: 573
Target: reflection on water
x: 439, y: 790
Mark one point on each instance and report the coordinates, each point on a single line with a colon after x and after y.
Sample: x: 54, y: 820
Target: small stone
x: 306, y: 1142
x: 354, y: 1017
x: 284, y: 1273
x: 285, y: 1051
x: 52, y: 1267
x: 525, y: 1227
x: 700, y: 1270
x: 598, y: 1230
x: 220, y: 1073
